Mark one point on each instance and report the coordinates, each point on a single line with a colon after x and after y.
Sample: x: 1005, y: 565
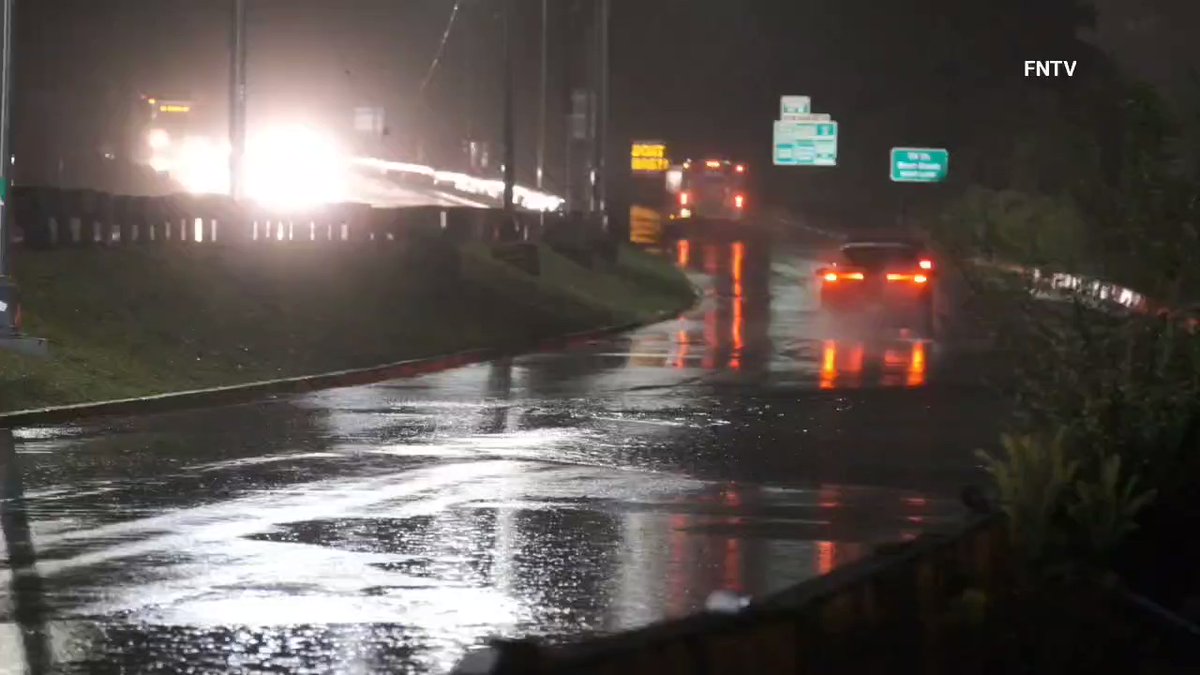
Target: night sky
x: 705, y: 76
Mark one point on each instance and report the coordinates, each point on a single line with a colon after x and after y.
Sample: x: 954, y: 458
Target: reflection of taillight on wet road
x: 825, y: 557
x: 739, y: 201
x: 916, y: 365
x: 685, y: 198
x: 682, y: 340
x: 685, y: 252
x: 828, y: 364
x: 833, y: 367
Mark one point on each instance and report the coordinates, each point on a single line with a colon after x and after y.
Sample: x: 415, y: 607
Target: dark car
x: 894, y: 277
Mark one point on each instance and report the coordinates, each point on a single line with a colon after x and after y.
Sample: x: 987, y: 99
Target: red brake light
x: 684, y: 198
x: 741, y: 168
x: 739, y: 201
x: 925, y: 264
x: 834, y: 276
x: 914, y: 278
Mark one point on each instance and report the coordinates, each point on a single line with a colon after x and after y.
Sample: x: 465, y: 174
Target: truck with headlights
x: 712, y: 189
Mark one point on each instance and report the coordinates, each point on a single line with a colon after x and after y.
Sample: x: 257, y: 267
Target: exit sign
x: 920, y: 165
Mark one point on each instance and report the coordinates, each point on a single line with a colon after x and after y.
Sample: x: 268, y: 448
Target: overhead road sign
x: 808, y: 117
x: 795, y: 105
x: 811, y: 143
x: 920, y: 165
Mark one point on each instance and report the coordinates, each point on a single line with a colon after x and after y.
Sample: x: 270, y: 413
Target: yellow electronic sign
x: 649, y: 157
x: 174, y: 108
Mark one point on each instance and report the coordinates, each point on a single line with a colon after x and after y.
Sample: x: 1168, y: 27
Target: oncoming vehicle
x: 163, y: 125
x: 894, y: 277
x: 713, y: 189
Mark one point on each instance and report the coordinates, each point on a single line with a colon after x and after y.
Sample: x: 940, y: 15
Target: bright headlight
x: 158, y: 139
x: 294, y: 168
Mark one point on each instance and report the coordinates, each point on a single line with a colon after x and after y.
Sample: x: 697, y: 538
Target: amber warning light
x: 649, y: 157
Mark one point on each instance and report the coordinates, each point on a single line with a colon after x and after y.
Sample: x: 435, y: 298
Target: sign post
x: 10, y: 309
x: 919, y: 165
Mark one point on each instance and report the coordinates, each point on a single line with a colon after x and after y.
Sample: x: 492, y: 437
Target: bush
x: 1015, y: 226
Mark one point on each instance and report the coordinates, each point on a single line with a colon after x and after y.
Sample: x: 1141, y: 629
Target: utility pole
x: 600, y: 138
x: 510, y: 150
x: 237, y: 101
x: 544, y: 103
x: 10, y: 307
x: 6, y: 70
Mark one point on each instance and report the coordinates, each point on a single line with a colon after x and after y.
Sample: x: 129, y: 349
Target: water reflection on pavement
x: 747, y: 445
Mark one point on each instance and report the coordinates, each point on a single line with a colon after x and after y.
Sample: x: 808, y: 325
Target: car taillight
x: 914, y: 278
x: 850, y: 276
x: 739, y: 201
x: 684, y: 198
x: 925, y: 264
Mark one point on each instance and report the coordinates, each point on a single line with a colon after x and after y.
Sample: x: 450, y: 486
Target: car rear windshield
x: 880, y: 255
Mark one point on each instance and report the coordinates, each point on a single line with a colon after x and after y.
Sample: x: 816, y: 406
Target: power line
x: 437, y: 59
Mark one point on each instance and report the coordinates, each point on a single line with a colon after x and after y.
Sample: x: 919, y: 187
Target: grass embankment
x: 132, y: 322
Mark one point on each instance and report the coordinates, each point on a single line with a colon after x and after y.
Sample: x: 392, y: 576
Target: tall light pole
x: 237, y: 101
x: 510, y: 149
x: 543, y: 103
x: 600, y: 115
x: 6, y: 37
x: 10, y: 310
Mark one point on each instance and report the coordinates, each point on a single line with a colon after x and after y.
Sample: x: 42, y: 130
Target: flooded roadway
x: 746, y: 446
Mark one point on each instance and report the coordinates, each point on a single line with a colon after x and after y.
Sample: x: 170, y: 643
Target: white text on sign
x: 1050, y: 68
x: 918, y: 161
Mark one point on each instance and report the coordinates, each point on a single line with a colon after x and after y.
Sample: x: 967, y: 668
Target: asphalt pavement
x: 747, y: 445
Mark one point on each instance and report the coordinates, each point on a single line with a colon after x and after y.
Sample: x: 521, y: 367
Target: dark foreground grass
x: 134, y: 322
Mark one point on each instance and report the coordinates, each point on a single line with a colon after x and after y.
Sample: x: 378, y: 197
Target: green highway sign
x: 805, y: 143
x: 795, y: 105
x: 920, y: 165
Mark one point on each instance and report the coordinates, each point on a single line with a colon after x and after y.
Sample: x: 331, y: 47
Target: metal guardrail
x: 526, y: 198
x: 1096, y: 293
x: 47, y: 218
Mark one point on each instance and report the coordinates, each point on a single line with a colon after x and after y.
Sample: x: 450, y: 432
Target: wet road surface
x: 382, y: 191
x: 748, y: 445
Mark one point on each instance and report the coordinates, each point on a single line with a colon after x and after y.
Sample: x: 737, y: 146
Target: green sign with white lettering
x: 920, y: 165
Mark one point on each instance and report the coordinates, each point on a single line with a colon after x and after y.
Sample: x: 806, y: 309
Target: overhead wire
x: 437, y: 58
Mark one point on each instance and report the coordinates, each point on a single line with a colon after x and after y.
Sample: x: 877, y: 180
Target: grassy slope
x: 132, y: 322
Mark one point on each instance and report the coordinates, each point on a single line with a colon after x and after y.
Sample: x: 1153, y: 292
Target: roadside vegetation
x: 1099, y: 476
x: 128, y: 322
